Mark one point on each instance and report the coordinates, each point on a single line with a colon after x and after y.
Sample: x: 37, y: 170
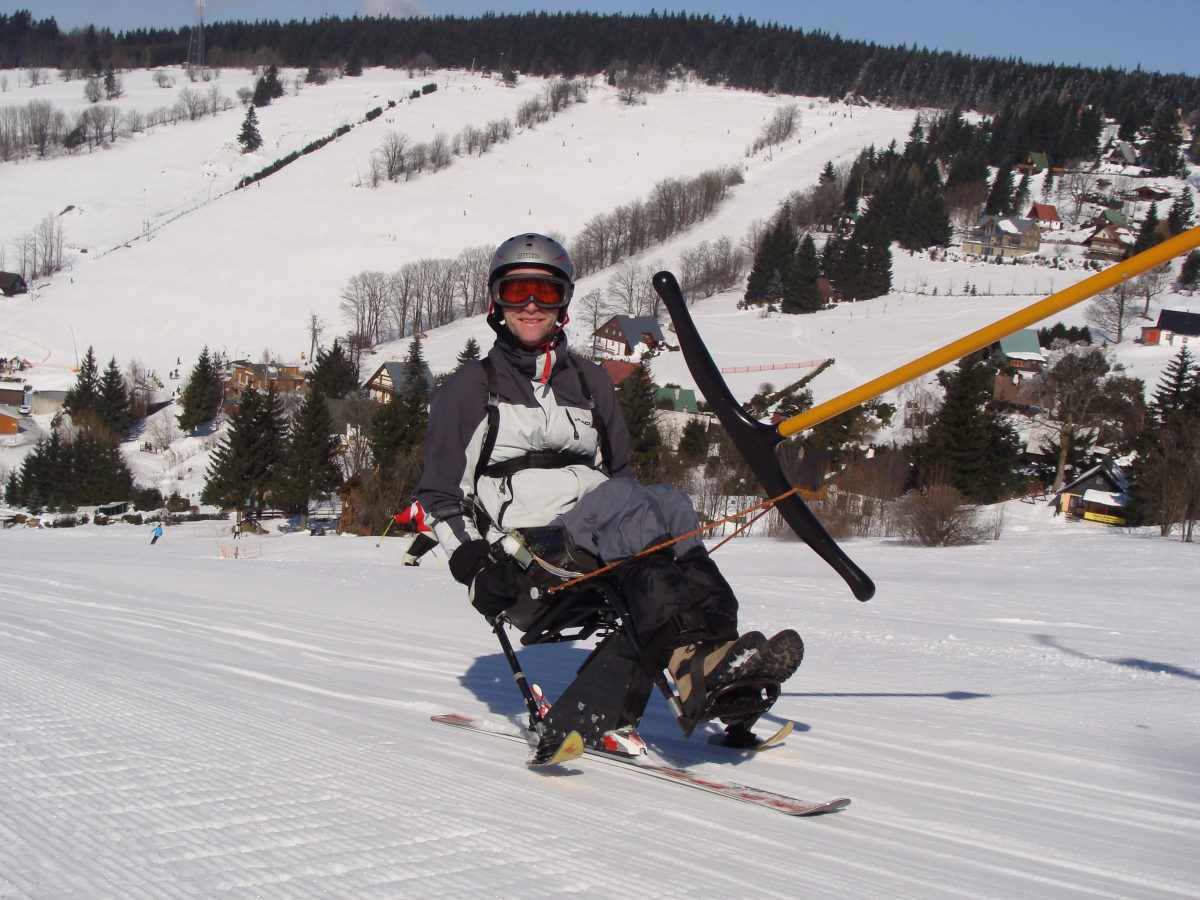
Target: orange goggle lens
x: 520, y: 289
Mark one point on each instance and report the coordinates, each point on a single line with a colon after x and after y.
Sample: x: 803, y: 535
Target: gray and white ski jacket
x: 550, y: 416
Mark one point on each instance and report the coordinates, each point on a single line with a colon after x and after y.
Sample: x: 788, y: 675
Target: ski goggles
x: 516, y: 291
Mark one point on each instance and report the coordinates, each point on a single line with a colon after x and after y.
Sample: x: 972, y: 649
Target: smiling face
x: 532, y: 325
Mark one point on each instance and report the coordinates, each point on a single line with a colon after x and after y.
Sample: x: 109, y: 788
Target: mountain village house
x: 1110, y: 241
x: 1045, y: 217
x: 390, y: 380
x: 621, y: 334
x: 1003, y: 236
x: 1022, y: 358
x: 1099, y: 495
x: 10, y: 422
x: 243, y: 375
x: 1172, y: 324
x: 12, y: 284
x: 676, y: 407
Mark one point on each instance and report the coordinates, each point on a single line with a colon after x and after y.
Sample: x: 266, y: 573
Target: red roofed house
x: 1111, y: 241
x: 618, y: 370
x: 1045, y: 215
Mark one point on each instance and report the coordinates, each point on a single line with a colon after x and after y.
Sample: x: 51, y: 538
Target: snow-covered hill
x: 163, y: 256
x: 1018, y: 718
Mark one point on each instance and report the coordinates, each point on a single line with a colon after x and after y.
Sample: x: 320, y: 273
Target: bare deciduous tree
x: 1114, y: 311
x: 392, y: 155
x: 363, y: 303
x: 1149, y: 285
x: 938, y: 516
x: 1076, y: 184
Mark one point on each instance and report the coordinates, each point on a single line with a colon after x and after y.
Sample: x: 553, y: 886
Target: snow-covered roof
x: 1105, y: 498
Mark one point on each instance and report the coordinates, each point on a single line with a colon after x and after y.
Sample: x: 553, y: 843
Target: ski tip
x: 827, y: 807
x: 571, y: 747
x: 776, y: 739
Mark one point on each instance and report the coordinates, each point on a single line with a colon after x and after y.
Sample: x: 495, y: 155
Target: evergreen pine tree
x: 1161, y: 150
x: 1189, y: 272
x: 693, y: 443
x: 1177, y: 386
x: 637, y: 402
x: 969, y: 445
x: 399, y: 428
x: 268, y: 87
x: 249, y: 137
x: 1149, y: 232
x: 877, y: 266
x: 1179, y: 218
x: 828, y: 175
x: 12, y: 489
x: 202, y: 395
x: 244, y: 465
x: 800, y: 294
x: 333, y: 374
x: 113, y: 403
x: 1166, y: 470
x: 309, y: 469
x: 1047, y: 184
x: 1000, y: 197
x: 469, y: 352
x: 771, y: 260
x: 84, y: 396
x: 86, y: 469
x: 1020, y: 202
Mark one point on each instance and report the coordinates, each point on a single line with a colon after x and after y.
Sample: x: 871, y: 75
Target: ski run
x: 1017, y: 718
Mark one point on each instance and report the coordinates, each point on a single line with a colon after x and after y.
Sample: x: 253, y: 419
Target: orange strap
x: 765, y: 506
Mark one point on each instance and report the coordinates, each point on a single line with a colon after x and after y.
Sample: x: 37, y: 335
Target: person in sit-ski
x: 554, y: 451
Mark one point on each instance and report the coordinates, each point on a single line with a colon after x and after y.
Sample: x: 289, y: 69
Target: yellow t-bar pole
x: 977, y: 340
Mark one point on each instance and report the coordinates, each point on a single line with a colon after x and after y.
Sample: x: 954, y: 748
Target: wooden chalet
x: 390, y: 380
x: 830, y: 292
x: 1172, y: 323
x: 1045, y: 216
x: 243, y: 375
x: 1035, y: 164
x: 1110, y: 241
x: 1099, y: 495
x: 14, y: 391
x: 1150, y: 192
x: 1123, y: 153
x: 1003, y: 236
x: 620, y: 334
x: 1020, y: 350
x: 12, y: 284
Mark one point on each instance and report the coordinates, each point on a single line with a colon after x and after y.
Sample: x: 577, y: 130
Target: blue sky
x: 1162, y: 35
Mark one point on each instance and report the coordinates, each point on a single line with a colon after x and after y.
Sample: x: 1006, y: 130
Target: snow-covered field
x: 1016, y: 719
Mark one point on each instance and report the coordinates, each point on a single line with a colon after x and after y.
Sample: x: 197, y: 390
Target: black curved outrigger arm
x: 756, y: 441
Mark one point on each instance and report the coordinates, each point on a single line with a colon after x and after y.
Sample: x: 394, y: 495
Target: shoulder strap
x: 606, y: 454
x: 493, y: 418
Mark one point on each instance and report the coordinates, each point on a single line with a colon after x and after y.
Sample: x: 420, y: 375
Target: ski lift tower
x: 195, y: 61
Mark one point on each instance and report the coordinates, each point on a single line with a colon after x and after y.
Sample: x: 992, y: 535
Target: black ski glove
x: 467, y: 559
x: 493, y: 584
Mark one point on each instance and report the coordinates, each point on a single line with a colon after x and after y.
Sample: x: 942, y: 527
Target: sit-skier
x: 530, y: 437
